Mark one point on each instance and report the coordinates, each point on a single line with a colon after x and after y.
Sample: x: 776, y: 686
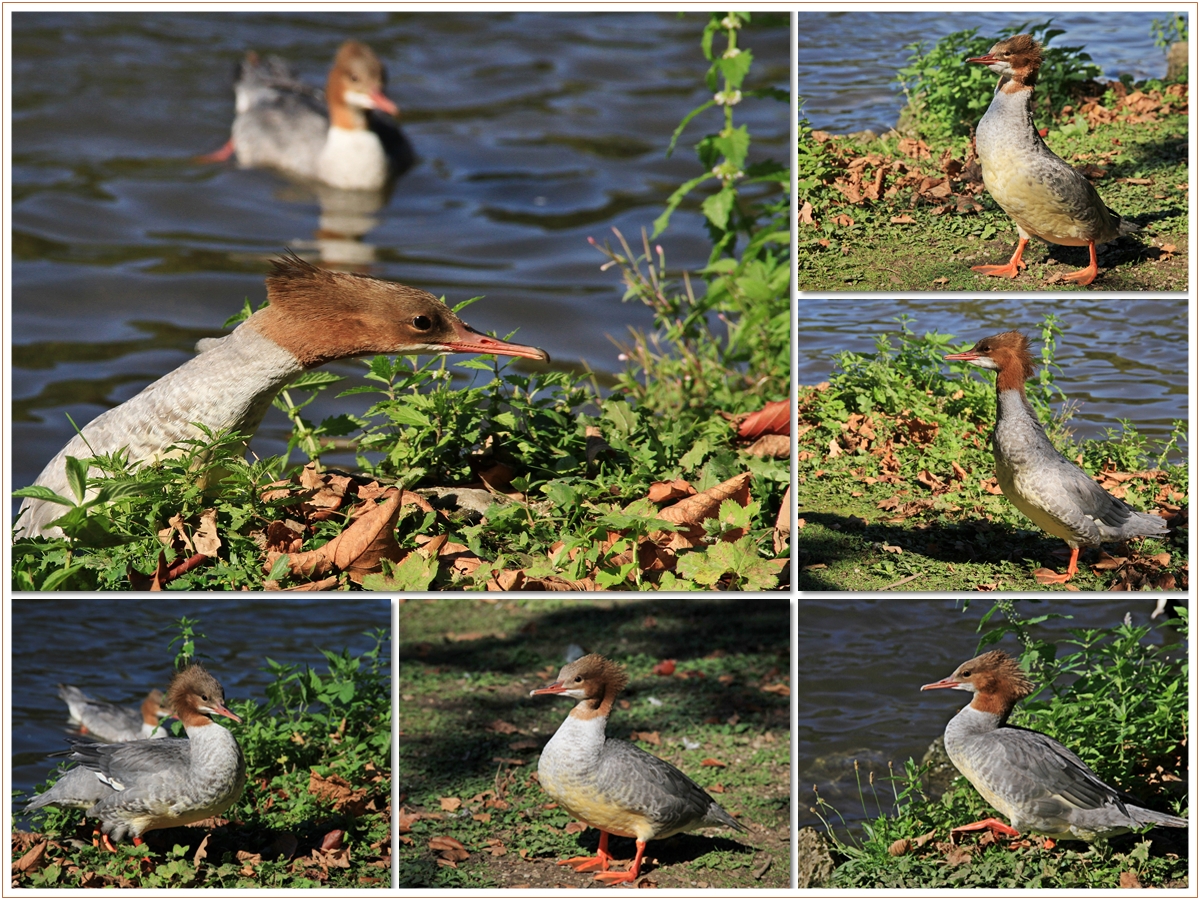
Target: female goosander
x: 1051, y: 490
x: 314, y: 316
x: 139, y: 786
x: 1032, y: 779
x: 610, y: 784
x: 1047, y: 197
x: 282, y: 123
x: 112, y: 723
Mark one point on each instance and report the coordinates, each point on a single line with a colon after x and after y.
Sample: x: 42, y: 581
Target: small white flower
x: 731, y: 53
x: 733, y: 23
x: 727, y: 98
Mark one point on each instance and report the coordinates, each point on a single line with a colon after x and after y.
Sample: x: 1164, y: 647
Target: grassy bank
x: 315, y: 812
x: 515, y: 481
x: 472, y: 814
x: 896, y: 485
x: 908, y: 210
x: 1119, y: 699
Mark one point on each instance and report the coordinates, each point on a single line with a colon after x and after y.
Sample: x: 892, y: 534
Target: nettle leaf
x: 735, y: 68
x: 622, y: 416
x: 718, y: 207
x: 734, y: 145
x: 41, y: 492
x: 407, y: 415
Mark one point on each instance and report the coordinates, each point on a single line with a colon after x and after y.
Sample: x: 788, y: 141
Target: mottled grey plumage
x: 113, y: 723
x: 228, y: 386
x: 1051, y: 490
x: 1031, y: 778
x: 283, y: 123
x: 1040, y: 785
x: 1026, y: 177
x: 656, y: 789
x: 139, y: 786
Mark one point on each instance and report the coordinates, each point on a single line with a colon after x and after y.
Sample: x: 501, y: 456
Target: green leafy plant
x: 948, y: 97
x: 1117, y: 697
x: 318, y: 726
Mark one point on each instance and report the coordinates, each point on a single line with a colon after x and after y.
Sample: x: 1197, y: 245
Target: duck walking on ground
x: 1033, y: 780
x: 340, y: 139
x: 610, y: 784
x: 141, y: 786
x: 1044, y: 195
x: 112, y: 723
x: 314, y: 317
x: 1057, y: 495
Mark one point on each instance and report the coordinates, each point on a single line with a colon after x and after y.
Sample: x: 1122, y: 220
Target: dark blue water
x: 120, y: 653
x: 848, y: 60
x: 862, y: 664
x: 534, y: 132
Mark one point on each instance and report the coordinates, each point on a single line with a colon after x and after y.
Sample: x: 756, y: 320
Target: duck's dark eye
x: 578, y: 678
x: 965, y: 673
x: 422, y: 323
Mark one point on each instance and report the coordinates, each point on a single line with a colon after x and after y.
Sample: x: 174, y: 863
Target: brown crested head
x: 320, y: 316
x: 195, y: 696
x: 995, y: 678
x: 357, y: 82
x: 1018, y: 58
x: 592, y: 680
x: 1007, y: 354
x: 153, y: 709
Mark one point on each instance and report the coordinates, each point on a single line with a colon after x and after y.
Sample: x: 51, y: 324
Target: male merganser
x: 112, y: 723
x: 610, y: 784
x: 1051, y: 490
x: 314, y: 316
x: 1032, y: 779
x: 139, y: 786
x: 1044, y: 195
x: 282, y: 123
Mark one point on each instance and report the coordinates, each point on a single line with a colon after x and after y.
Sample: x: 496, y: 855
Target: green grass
x: 560, y: 469
x: 318, y: 761
x: 1116, y: 698
x: 859, y: 246
x: 470, y: 736
x: 887, y: 507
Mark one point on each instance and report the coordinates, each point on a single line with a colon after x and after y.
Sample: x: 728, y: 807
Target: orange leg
x: 995, y: 826
x: 625, y: 877
x: 1088, y: 275
x: 590, y: 863
x: 1007, y: 271
x: 1046, y: 576
x: 218, y: 155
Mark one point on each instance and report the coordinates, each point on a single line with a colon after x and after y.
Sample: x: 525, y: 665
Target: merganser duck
x: 1046, y: 196
x: 140, y: 786
x: 1047, y: 487
x: 610, y: 784
x: 314, y: 316
x: 112, y: 723
x: 1033, y: 780
x: 282, y: 123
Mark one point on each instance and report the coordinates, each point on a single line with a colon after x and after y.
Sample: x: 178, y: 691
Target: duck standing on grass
x: 1044, y: 195
x: 314, y: 317
x: 1032, y: 779
x: 1047, y: 487
x: 141, y: 786
x: 610, y: 784
x: 115, y: 724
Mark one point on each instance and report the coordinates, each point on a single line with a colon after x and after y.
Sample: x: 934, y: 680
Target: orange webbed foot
x: 217, y: 156
x: 1088, y: 275
x: 995, y: 826
x: 586, y: 863
x: 1005, y: 271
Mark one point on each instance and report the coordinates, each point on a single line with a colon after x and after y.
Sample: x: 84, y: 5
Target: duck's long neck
x: 1007, y: 128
